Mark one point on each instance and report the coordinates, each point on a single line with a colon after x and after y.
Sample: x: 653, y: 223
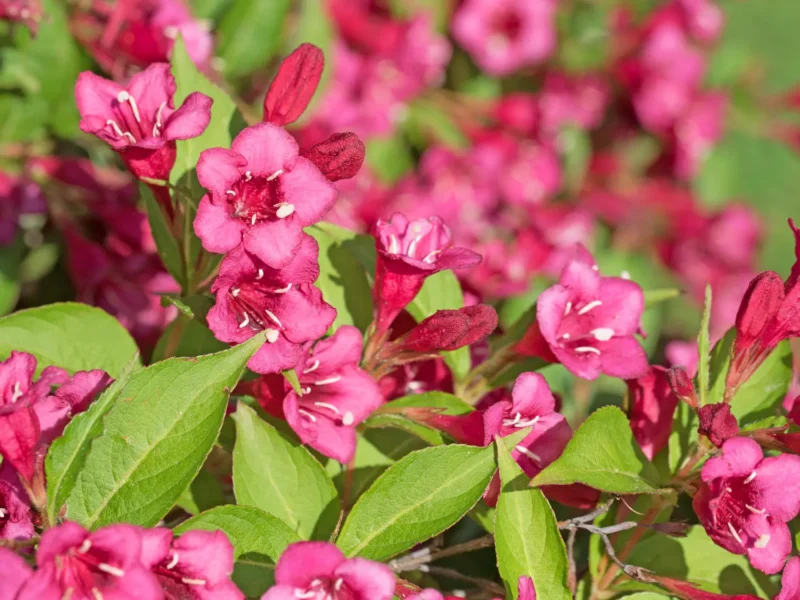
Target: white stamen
x: 735, y: 535
x: 272, y: 335
x: 348, y: 419
x: 566, y: 336
x: 328, y: 406
x: 528, y: 453
x: 590, y: 306
x: 3, y: 512
x: 69, y: 591
x: 524, y: 424
x: 248, y: 175
x: 284, y: 210
x: 173, y: 562
x: 755, y: 510
x: 729, y: 490
x: 625, y: 275
x: 84, y: 547
x: 312, y: 368
x: 430, y: 258
x: 188, y: 581
x: 246, y: 321
x: 587, y: 349
x: 95, y: 592
x: 567, y: 308
x: 305, y: 390
x: 394, y: 245
x: 333, y: 379
x: 123, y: 96
x: 135, y: 109
x: 413, y: 245
x: 603, y: 334
x: 115, y: 127
x: 156, y: 132
x: 111, y: 570
x: 750, y: 477
x: 298, y: 593
x: 235, y: 292
x: 337, y: 585
x: 762, y: 541
x: 253, y: 220
x: 25, y: 13
x: 260, y: 273
x: 170, y: 32
x: 512, y: 422
x: 158, y: 114
x: 277, y: 173
x: 282, y: 290
x: 272, y: 316
x: 307, y: 415
x: 16, y: 393
x: 230, y: 192
x: 129, y: 135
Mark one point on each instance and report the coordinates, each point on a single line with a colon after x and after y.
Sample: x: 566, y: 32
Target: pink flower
x: 337, y: 395
x: 31, y: 417
x: 570, y: 100
x: 717, y: 423
x: 652, y: 409
x: 505, y: 35
x: 703, y: 18
x: 587, y: 323
x: 84, y: 566
x: 27, y: 12
x: 197, y: 565
x: 14, y: 572
x: 320, y: 570
x: 408, y: 252
x: 338, y: 157
x: 19, y: 198
x: 746, y: 500
x: 253, y: 297
x: 139, y: 120
x: 15, y: 513
x: 696, y: 132
x: 262, y: 193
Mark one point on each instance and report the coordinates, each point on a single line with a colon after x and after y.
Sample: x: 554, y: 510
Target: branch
x: 418, y: 559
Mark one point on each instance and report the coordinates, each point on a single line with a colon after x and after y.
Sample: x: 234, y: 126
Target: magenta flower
x: 318, y: 570
x: 14, y: 572
x: 76, y: 564
x: 696, y: 132
x: 27, y: 12
x: 587, y: 323
x: 337, y: 395
x: 504, y: 35
x: 252, y: 297
x: 31, y: 417
x: 16, y: 521
x: 746, y: 500
x: 408, y: 252
x: 139, y: 120
x: 19, y: 198
x: 262, y: 193
x: 652, y: 409
x: 572, y: 100
x: 197, y: 565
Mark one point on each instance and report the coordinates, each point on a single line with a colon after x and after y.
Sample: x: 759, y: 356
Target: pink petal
x: 218, y: 169
x: 586, y: 365
x: 738, y: 459
x: 305, y: 315
x: 343, y: 348
x: 771, y: 557
x: 532, y: 396
x: 267, y: 148
x: 457, y: 258
x: 206, y: 555
x: 309, y: 191
x: 276, y: 243
x: 325, y: 435
x: 19, y: 434
x: 622, y: 357
x: 550, y: 308
x: 191, y: 119
x: 778, y: 481
x: 151, y: 88
x: 790, y: 580
x: 137, y: 584
x: 155, y: 546
x: 277, y: 357
x: 16, y: 375
x: 19, y: 519
x: 623, y: 305
x: 581, y: 280
x: 547, y: 441
x: 280, y: 592
x: 303, y: 562
x: 82, y: 389
x: 14, y: 572
x: 58, y: 540
x: 367, y: 579
x: 526, y: 589
x: 94, y: 96
x: 218, y: 231
x: 223, y: 321
x: 53, y: 414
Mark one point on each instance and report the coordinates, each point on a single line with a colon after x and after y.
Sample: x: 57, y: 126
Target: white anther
x: 129, y: 135
x: 188, y: 581
x: 306, y: 390
x: 158, y: 114
x: 755, y: 510
x: 170, y: 32
x: 431, y: 257
x: 729, y: 490
x: 584, y: 349
x: 567, y: 308
x: 762, y: 541
x: 111, y: 570
x: 282, y: 290
x: 333, y: 379
x: 246, y: 321
x: 123, y: 96
x: 115, y: 127
x: 25, y: 13
x: 394, y: 245
x: 235, y: 292
x: 750, y: 477
x: 298, y: 593
x: 528, y: 453
x: 307, y: 415
x: 85, y: 546
x: 277, y: 173
x: 230, y: 192
x: 272, y: 335
x: 312, y: 368
x: 260, y: 273
x: 524, y: 424
x: 735, y: 535
x: 595, y: 268
x: 348, y: 419
x: 272, y: 316
x: 95, y: 592
x: 16, y: 393
x: 3, y: 513
x: 135, y: 109
x: 566, y: 336
x: 512, y: 422
x: 248, y: 175
x: 173, y: 562
x: 337, y: 585
x: 284, y: 210
x: 253, y: 220
x: 328, y: 406
x: 590, y: 306
x: 156, y: 132
x: 625, y: 275
x: 413, y: 245
x: 603, y: 334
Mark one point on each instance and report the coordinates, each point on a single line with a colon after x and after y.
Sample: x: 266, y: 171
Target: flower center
x: 734, y: 504
x: 84, y: 572
x: 130, y: 123
x: 323, y: 589
x: 255, y: 304
x: 579, y: 330
x: 255, y: 199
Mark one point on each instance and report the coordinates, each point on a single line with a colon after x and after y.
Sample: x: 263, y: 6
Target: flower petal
x: 738, y: 459
x: 191, y: 119
x: 309, y: 191
x: 267, y: 148
x: 217, y: 230
x: 276, y: 243
x: 303, y: 562
x: 218, y: 169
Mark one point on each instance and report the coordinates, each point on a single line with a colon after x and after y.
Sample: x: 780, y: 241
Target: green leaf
x: 389, y: 157
x: 249, y: 35
x: 75, y: 337
x: 415, y: 499
x: 527, y: 539
x: 281, y: 477
x: 291, y: 376
x: 314, y: 26
x: 258, y: 541
x: 604, y: 455
x: 204, y: 493
x: 575, y: 147
x: 657, y: 296
x: 186, y: 337
x: 156, y: 437
x: 704, y: 348
x: 67, y: 454
x: 430, y: 123
x: 10, y: 261
x: 166, y: 243
x: 343, y: 279
x: 442, y: 291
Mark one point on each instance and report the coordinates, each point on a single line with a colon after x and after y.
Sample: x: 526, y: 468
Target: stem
x: 415, y: 560
x: 484, y: 584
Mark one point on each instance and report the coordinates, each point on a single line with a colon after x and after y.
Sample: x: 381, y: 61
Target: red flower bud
x: 338, y: 157
x: 451, y: 329
x: 294, y: 85
x: 760, y: 303
x: 681, y: 385
x: 717, y: 422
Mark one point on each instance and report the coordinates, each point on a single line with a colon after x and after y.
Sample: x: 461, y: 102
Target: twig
x: 420, y: 558
x: 572, y: 576
x: 484, y: 584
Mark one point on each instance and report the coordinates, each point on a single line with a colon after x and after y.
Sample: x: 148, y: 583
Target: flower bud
x: 682, y: 385
x: 717, y: 423
x: 338, y: 157
x: 451, y: 329
x: 294, y: 85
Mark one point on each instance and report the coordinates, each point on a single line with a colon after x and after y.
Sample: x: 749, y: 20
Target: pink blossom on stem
x: 14, y: 572
x: 16, y: 521
x: 652, y: 409
x: 745, y: 501
x: 320, y: 570
x: 262, y: 194
x: 253, y: 297
x: 717, y: 423
x: 336, y: 395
